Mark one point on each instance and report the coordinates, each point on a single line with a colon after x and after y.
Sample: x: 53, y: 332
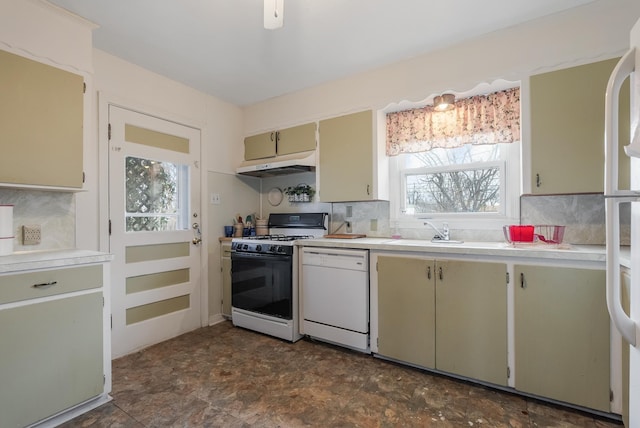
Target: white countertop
x: 569, y: 253
x: 30, y: 260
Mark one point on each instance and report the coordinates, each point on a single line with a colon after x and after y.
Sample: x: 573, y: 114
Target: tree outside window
x: 465, y: 179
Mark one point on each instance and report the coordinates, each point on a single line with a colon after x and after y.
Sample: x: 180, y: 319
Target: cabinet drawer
x: 32, y: 285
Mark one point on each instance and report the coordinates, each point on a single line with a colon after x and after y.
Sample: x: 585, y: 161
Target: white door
x: 154, y: 210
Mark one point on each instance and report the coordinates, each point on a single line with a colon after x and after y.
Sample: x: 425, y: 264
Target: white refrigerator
x: 628, y: 326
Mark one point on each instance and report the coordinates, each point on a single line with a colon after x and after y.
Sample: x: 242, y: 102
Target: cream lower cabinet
x: 471, y: 319
x: 225, y: 268
x: 406, y: 310
x: 51, y: 343
x: 444, y: 314
x: 562, y: 335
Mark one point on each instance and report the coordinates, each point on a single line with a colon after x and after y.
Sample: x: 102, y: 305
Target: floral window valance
x: 483, y: 119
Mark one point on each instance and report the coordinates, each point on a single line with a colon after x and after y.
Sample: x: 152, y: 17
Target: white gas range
x: 264, y: 274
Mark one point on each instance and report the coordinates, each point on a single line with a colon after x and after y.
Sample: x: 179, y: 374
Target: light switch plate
x: 31, y: 234
x: 215, y: 199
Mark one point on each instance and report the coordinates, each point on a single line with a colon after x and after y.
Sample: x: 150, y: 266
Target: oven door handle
x: 237, y: 255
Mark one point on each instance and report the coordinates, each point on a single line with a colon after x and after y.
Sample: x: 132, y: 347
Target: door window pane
x: 157, y: 195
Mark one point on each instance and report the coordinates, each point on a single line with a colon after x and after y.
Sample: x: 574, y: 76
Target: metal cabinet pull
x: 428, y: 272
x: 45, y: 284
x: 522, y: 282
x: 368, y: 186
x: 538, y: 181
x: 440, y: 275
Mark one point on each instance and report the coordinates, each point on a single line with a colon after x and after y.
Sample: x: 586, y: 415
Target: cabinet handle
x: 522, y: 282
x: 538, y: 181
x: 272, y: 136
x: 440, y: 275
x: 428, y: 272
x: 45, y: 284
x: 368, y: 193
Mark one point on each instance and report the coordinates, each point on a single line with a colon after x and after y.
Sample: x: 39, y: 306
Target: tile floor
x: 222, y: 376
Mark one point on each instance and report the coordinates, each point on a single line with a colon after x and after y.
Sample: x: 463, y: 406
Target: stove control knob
x: 258, y: 247
x: 245, y: 246
x: 273, y: 248
x: 280, y: 249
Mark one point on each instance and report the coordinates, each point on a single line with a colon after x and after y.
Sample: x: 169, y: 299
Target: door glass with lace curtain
x: 156, y: 195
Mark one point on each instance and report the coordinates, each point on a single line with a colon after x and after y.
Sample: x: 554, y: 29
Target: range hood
x: 279, y: 165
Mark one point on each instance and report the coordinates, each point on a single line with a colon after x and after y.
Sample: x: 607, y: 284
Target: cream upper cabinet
x: 567, y: 129
x: 562, y: 335
x: 260, y: 146
x: 444, y: 314
x: 297, y: 139
x: 284, y: 142
x: 349, y: 168
x: 41, y: 124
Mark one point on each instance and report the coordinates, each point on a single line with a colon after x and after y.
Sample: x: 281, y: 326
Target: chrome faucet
x: 441, y: 235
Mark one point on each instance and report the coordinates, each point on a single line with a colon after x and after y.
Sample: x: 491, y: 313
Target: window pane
x: 466, y: 154
x: 462, y: 191
x: 465, y: 179
x: 155, y: 191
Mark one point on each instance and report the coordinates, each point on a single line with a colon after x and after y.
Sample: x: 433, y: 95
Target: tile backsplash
x: 582, y: 214
x: 53, y: 211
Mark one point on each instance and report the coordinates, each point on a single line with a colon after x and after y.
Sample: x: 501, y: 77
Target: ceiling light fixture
x: 273, y: 14
x: 444, y: 102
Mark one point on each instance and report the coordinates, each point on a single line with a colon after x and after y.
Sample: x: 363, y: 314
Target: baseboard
x: 216, y: 319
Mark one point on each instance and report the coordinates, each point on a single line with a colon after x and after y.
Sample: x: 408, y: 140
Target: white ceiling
x: 220, y: 47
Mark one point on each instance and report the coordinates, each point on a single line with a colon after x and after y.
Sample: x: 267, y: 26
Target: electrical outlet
x: 31, y: 234
x: 348, y: 224
x: 373, y: 224
x: 349, y: 212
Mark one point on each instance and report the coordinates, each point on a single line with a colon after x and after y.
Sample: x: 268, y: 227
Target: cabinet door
x: 346, y: 158
x: 297, y: 139
x: 41, y: 115
x: 260, y: 146
x: 51, y: 355
x: 567, y: 128
x: 562, y: 335
x: 226, y: 279
x: 471, y: 319
x: 406, y: 310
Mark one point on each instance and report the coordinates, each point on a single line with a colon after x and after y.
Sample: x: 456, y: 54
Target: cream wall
x: 221, y: 135
x: 598, y: 30
x: 45, y: 33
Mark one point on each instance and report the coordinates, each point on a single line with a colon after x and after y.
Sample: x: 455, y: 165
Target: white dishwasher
x: 335, y: 296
